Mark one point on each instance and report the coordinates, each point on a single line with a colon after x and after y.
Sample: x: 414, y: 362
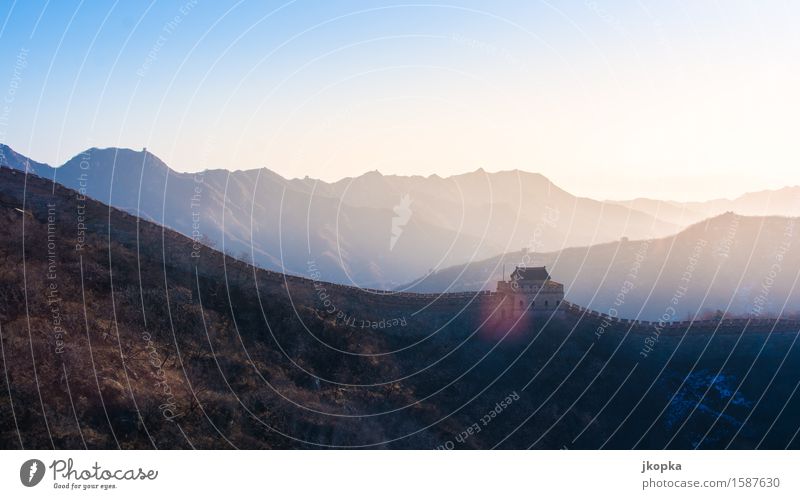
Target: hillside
x: 117, y: 332
x: 737, y: 264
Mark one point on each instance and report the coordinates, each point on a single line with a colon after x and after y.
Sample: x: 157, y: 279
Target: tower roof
x: 530, y: 274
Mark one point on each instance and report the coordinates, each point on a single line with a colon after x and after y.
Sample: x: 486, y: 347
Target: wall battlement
x: 497, y: 301
x: 760, y: 324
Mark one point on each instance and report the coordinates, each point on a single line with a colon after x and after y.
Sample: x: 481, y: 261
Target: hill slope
x: 738, y: 264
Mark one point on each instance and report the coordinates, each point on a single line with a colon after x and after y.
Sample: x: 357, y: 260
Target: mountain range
x: 350, y: 230
x: 451, y: 234
x: 784, y: 201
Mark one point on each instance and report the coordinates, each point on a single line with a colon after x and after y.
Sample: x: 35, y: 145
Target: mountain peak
x: 11, y: 158
x: 119, y: 158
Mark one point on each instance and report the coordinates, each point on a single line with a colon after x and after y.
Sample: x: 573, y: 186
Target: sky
x: 684, y: 100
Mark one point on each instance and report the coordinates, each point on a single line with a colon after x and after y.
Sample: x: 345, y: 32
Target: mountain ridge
x: 736, y: 254
x: 345, y: 229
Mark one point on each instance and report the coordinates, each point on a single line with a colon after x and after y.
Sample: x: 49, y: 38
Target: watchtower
x: 529, y: 290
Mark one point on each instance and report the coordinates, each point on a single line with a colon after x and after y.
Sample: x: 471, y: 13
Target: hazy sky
x: 609, y: 99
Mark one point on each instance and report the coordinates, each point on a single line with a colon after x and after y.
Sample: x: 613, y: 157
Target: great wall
x: 492, y: 300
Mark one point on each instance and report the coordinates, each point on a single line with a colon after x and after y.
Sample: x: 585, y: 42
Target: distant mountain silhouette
x: 510, y: 209
x: 783, y: 202
x: 347, y: 231
x: 744, y: 265
x: 344, y: 230
x: 283, y: 224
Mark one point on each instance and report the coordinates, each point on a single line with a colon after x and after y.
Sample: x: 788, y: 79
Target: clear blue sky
x: 611, y: 99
